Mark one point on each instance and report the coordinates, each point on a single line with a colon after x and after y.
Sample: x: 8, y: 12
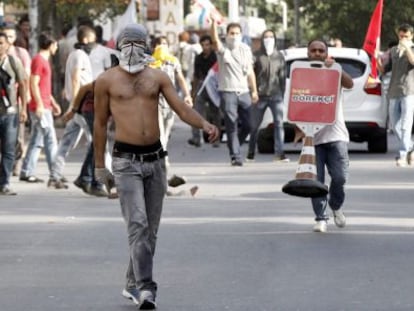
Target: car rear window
x: 351, y: 66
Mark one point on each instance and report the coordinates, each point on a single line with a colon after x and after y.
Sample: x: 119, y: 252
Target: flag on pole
x: 129, y: 17
x: 207, y: 9
x: 372, y: 38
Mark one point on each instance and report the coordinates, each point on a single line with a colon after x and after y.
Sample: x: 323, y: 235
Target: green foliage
x: 349, y: 20
x: 70, y: 10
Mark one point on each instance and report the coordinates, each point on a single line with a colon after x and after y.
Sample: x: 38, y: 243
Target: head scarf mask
x: 269, y: 45
x: 233, y: 42
x: 132, y: 42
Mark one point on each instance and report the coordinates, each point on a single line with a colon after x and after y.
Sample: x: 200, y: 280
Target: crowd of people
x: 125, y: 101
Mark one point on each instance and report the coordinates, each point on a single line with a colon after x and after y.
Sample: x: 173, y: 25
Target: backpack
x: 5, y: 79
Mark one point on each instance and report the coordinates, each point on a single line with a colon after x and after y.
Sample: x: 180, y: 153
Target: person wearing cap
x: 130, y: 94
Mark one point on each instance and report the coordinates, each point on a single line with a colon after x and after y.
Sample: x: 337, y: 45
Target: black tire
x: 265, y: 140
x: 378, y: 144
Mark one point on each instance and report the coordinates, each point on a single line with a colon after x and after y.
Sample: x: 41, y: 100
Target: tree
x: 349, y: 20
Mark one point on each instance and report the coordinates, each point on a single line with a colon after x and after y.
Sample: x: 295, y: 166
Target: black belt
x: 146, y: 157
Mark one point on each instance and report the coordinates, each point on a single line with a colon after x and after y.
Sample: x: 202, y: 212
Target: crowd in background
x: 232, y: 88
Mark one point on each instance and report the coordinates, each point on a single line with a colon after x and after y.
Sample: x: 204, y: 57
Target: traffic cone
x: 305, y: 183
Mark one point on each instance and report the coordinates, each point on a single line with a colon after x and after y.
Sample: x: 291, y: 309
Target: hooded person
x: 270, y: 70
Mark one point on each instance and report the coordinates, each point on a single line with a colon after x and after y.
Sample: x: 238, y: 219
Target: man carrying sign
x: 331, y: 150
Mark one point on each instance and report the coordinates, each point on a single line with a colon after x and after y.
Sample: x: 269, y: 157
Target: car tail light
x: 373, y: 87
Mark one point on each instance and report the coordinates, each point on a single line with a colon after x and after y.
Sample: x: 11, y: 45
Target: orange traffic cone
x: 305, y: 183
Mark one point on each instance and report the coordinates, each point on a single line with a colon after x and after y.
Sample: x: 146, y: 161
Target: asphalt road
x: 239, y: 244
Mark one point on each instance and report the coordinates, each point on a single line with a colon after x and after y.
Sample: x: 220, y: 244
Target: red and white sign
x: 313, y: 93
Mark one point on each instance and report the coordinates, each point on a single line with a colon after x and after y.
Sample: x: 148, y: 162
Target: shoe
x: 5, y: 190
x: 410, y: 157
x: 57, y: 184
x: 64, y: 179
x: 194, y: 143
x: 216, y: 144
x: 339, y: 218
x: 146, y: 301
x: 82, y: 185
x: 320, y: 226
x: 401, y: 162
x: 98, y: 192
x: 281, y: 158
x: 131, y: 294
x: 235, y: 162
x: 176, y: 181
x: 30, y: 179
x: 250, y: 157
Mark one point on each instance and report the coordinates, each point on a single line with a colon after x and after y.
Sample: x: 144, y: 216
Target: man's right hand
x: 212, y: 131
x: 104, y: 176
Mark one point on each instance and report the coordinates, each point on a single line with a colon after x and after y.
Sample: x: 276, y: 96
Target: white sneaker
x: 339, y: 218
x: 132, y: 294
x: 320, y: 226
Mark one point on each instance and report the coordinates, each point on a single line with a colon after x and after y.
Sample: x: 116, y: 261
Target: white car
x: 365, y: 113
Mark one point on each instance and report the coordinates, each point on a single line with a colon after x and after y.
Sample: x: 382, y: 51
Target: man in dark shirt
x: 270, y: 70
x: 202, y: 103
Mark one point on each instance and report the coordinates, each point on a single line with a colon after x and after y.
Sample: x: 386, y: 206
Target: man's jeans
x: 236, y: 110
x: 9, y: 124
x: 141, y: 187
x: 401, y: 118
x: 73, y: 131
x: 204, y: 106
x: 335, y: 156
x: 42, y: 134
x: 87, y: 173
x: 275, y: 103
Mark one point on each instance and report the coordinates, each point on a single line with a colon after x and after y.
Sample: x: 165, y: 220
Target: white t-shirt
x: 234, y: 66
x: 336, y: 131
x: 77, y: 59
x: 100, y: 57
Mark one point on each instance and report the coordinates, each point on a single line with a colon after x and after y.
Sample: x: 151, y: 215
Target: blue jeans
x: 334, y: 156
x: 9, y: 124
x: 42, y: 134
x: 401, y: 117
x: 87, y: 173
x: 275, y: 104
x: 73, y: 131
x: 141, y: 187
x: 236, y: 110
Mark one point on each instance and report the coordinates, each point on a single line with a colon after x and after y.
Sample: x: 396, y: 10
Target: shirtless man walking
x: 130, y: 94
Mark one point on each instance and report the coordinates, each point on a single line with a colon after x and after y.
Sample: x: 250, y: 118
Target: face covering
x: 269, y: 45
x: 133, y: 58
x: 233, y: 42
x: 85, y: 47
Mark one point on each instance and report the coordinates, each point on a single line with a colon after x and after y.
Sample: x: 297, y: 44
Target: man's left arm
x: 251, y: 79
x: 23, y: 90
x: 410, y: 55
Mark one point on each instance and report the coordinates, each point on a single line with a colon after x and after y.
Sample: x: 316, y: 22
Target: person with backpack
x: 11, y: 82
x: 23, y: 55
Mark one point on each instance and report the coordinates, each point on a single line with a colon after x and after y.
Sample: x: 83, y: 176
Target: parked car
x: 365, y: 113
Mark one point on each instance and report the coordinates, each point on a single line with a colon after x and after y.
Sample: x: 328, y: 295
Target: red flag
x: 372, y: 38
